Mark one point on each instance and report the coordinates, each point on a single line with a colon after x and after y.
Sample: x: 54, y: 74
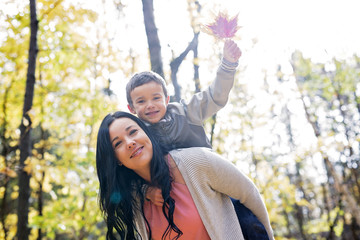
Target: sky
x: 321, y: 29
x: 317, y: 27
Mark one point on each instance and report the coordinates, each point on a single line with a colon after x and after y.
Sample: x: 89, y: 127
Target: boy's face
x: 149, y: 102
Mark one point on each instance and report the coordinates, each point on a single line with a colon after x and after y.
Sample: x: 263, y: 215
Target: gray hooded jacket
x: 182, y: 125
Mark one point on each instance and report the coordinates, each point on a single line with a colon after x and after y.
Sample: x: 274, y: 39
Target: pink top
x: 186, y: 216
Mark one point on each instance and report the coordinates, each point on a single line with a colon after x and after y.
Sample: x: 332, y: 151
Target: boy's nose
x: 149, y: 105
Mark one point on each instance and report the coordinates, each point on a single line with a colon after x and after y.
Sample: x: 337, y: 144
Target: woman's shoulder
x: 194, y: 155
x: 191, y: 152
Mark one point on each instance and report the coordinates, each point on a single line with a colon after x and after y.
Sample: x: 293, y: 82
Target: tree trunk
x: 4, y: 208
x: 25, y: 129
x: 152, y: 37
x: 40, y: 202
x: 175, y: 64
x: 343, y: 189
x: 196, y: 68
x: 213, y: 123
x: 5, y: 150
x: 300, y: 220
x: 332, y: 234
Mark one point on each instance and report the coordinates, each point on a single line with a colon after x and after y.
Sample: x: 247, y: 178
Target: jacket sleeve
x: 206, y: 103
x: 225, y: 177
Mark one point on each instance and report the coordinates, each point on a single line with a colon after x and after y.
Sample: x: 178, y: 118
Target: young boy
x: 180, y: 125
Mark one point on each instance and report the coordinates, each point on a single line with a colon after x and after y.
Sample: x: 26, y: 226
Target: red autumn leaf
x: 223, y: 27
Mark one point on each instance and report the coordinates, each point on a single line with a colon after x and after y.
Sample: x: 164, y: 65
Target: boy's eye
x: 140, y: 101
x: 157, y: 98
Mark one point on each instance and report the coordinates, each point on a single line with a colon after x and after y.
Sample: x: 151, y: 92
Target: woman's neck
x: 144, y: 174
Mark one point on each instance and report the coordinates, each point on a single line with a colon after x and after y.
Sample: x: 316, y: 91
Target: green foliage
x: 259, y: 131
x: 68, y: 105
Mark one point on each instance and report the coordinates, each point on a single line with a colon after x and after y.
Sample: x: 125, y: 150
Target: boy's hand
x: 154, y: 195
x: 232, y: 52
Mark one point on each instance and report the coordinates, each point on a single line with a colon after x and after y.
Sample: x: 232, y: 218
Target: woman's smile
x: 132, y: 146
x: 137, y: 152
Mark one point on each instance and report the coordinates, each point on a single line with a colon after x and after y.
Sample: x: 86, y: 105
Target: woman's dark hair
x: 121, y: 188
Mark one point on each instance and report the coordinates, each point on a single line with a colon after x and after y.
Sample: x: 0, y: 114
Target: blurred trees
x: 330, y: 96
x: 296, y: 136
x: 68, y: 100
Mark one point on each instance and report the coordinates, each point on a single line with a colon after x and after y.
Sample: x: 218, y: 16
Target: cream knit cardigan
x: 210, y: 180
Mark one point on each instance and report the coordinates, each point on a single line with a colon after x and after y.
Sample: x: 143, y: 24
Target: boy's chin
x: 153, y: 121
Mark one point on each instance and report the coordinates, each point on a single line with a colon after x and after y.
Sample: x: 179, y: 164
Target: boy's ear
x: 167, y: 100
x: 131, y: 109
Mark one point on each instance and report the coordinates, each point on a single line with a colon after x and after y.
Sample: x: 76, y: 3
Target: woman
x: 195, y: 184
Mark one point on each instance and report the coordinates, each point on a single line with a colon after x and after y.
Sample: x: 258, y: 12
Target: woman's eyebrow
x: 126, y: 129
x: 114, y: 139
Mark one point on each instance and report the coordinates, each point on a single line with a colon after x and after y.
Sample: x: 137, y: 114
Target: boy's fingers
x: 159, y: 201
x: 230, y: 44
x: 159, y: 198
x: 237, y: 53
x: 232, y: 56
x: 231, y: 50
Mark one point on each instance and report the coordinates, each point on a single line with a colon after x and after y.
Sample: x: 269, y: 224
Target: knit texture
x: 210, y: 180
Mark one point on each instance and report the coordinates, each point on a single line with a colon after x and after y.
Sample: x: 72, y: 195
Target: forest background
x: 291, y: 124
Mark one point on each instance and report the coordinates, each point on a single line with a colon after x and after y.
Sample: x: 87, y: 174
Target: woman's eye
x: 133, y: 131
x: 117, y: 144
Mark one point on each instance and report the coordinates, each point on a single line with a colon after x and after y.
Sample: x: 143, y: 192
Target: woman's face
x: 131, y: 145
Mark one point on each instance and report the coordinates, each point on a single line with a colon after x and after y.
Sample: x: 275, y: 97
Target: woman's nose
x: 131, y: 144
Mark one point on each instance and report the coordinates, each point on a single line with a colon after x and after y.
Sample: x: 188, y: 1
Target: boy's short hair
x: 142, y: 78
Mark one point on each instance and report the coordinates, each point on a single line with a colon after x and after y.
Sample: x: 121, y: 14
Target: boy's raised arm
x: 206, y: 103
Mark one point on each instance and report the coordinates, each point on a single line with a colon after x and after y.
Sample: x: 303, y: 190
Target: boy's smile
x: 149, y: 102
